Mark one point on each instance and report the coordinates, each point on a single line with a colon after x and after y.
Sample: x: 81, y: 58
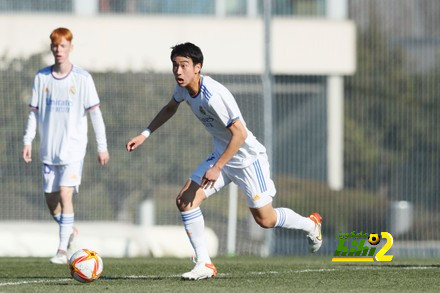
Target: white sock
x: 195, y: 229
x: 286, y: 218
x: 57, y: 218
x: 66, y: 226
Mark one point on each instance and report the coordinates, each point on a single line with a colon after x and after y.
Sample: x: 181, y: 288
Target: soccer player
x: 237, y: 157
x: 62, y: 95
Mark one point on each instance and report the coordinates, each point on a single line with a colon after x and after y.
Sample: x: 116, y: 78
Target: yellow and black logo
x: 374, y: 239
x: 358, y: 249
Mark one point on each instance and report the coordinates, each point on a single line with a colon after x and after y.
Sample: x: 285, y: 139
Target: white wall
x: 109, y: 239
x: 230, y: 45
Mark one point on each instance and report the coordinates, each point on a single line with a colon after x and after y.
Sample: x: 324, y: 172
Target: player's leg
x: 265, y: 216
x: 190, y: 197
x: 70, y: 179
x: 60, y: 204
x: 268, y: 217
x: 188, y: 202
x: 67, y: 217
x: 260, y: 190
x: 53, y: 203
x: 51, y: 189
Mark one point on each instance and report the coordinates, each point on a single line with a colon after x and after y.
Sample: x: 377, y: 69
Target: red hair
x: 59, y: 33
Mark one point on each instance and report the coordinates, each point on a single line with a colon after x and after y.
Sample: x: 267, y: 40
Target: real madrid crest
x: 72, y: 90
x: 202, y: 110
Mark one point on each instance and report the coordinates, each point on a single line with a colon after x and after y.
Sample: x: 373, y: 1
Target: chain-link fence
x: 391, y: 142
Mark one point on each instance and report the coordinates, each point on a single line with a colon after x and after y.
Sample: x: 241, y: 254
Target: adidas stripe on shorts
x: 254, y: 180
x: 55, y: 176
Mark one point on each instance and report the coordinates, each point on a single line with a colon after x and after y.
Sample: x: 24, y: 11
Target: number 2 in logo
x: 380, y: 255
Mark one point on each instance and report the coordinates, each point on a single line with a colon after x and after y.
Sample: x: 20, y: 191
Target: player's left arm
x: 101, y: 139
x: 238, y: 136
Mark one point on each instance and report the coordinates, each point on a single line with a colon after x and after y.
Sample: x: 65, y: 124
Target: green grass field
x: 237, y: 274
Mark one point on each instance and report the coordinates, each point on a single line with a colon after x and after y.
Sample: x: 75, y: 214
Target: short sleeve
x: 91, y: 95
x: 33, y: 103
x: 225, y: 108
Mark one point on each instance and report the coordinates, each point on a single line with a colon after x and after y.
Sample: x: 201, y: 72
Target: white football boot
x: 59, y: 258
x: 201, y: 271
x: 315, y: 237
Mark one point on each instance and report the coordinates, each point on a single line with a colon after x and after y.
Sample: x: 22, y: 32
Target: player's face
x: 185, y: 72
x: 61, y: 50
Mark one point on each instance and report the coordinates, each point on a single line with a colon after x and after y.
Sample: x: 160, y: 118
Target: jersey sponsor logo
x: 207, y: 121
x: 59, y: 106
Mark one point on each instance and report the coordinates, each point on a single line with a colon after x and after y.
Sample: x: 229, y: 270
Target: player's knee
x: 183, y: 200
x: 179, y: 203
x: 188, y: 197
x: 265, y: 223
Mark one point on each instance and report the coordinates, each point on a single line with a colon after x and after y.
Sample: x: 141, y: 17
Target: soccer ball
x: 374, y: 239
x: 85, y: 266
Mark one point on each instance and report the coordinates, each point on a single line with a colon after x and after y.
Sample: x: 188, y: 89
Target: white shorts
x: 55, y: 176
x: 253, y: 180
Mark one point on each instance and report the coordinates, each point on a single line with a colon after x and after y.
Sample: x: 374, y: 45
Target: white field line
x: 220, y: 275
x: 291, y: 271
x: 33, y: 282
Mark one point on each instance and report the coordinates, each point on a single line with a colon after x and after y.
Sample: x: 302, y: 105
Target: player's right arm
x: 29, y: 135
x: 27, y: 153
x: 31, y: 126
x: 163, y: 116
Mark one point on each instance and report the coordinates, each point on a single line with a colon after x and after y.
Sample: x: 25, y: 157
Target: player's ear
x: 198, y: 68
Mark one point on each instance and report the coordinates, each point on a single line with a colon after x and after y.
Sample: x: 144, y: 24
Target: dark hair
x: 188, y: 50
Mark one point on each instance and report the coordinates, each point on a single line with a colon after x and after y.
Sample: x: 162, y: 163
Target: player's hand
x: 103, y: 158
x: 135, y: 142
x: 27, y: 153
x: 210, y: 177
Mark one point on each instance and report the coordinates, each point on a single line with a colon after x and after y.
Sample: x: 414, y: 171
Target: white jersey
x: 62, y: 106
x: 217, y: 109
